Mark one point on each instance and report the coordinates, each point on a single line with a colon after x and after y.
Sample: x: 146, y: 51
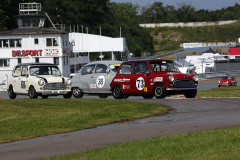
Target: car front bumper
x: 54, y: 92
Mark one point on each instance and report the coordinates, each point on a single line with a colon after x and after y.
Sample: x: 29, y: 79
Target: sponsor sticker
x: 126, y: 86
x: 145, y: 89
x: 93, y: 86
x: 122, y: 80
x: 158, y: 79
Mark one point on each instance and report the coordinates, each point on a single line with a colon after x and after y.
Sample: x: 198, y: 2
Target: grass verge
x: 28, y: 118
x: 216, y: 144
x: 229, y: 91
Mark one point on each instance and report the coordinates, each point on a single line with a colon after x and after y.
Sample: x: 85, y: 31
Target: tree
x: 138, y: 39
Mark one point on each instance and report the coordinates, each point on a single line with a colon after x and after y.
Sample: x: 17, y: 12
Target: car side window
x: 88, y: 69
x: 101, y: 68
x: 141, y: 69
x: 17, y: 72
x: 24, y: 71
x: 126, y: 69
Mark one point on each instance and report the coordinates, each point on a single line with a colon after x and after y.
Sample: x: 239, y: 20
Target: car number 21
x: 140, y: 83
x: 100, y: 81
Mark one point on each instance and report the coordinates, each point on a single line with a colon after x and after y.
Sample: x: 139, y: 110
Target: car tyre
x: 11, y: 93
x: 147, y: 96
x: 32, y: 93
x: 77, y: 93
x: 44, y: 96
x: 191, y: 94
x: 117, y: 92
x: 103, y: 95
x: 159, y: 91
x: 68, y: 95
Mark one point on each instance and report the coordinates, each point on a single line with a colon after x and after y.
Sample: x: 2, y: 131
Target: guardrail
x: 212, y: 75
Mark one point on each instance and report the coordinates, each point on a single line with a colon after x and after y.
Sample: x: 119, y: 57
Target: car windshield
x: 226, y: 78
x: 44, y: 70
x: 163, y: 66
x: 114, y: 67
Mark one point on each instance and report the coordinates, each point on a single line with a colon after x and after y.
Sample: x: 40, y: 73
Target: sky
x: 197, y: 4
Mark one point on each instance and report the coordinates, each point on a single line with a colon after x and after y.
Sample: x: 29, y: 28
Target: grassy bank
x: 169, y: 38
x: 229, y: 91
x: 216, y: 144
x: 27, y: 118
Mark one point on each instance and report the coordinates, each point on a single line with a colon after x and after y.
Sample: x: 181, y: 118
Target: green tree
x: 138, y: 39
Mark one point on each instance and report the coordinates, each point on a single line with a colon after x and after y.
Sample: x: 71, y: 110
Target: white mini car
x: 95, y: 78
x: 38, y: 79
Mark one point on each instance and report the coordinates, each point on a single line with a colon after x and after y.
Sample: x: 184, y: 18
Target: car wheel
x: 191, y: 94
x: 103, y: 95
x: 68, y: 95
x: 117, y: 92
x: 77, y: 93
x: 44, y: 96
x: 125, y: 96
x: 32, y: 93
x: 11, y: 93
x: 147, y: 96
x: 159, y: 91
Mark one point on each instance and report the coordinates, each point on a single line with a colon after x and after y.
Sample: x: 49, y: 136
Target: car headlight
x: 171, y: 78
x: 68, y: 82
x: 41, y: 82
x: 195, y: 78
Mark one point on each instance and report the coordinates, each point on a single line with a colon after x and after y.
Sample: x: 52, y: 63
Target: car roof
x: 36, y: 64
x: 105, y: 62
x: 147, y: 60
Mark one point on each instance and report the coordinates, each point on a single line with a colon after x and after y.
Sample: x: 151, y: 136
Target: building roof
x: 31, y: 31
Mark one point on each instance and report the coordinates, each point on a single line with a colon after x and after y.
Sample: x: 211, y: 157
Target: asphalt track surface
x: 187, y: 115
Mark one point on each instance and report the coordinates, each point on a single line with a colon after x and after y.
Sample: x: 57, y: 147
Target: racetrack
x: 188, y: 115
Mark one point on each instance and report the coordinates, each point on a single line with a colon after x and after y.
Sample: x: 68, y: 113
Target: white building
x: 33, y: 43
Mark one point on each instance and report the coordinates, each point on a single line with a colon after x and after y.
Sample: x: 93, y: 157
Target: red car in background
x: 149, y: 78
x: 227, y: 81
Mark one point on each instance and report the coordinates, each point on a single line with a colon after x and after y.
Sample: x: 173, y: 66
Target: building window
x: 12, y: 43
x: 52, y: 42
x: 37, y: 60
x: 4, y: 62
x: 56, y: 60
x: 36, y: 41
x: 19, y: 60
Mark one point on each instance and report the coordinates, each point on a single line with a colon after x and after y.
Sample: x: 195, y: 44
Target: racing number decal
x: 100, y: 81
x: 23, y: 84
x: 140, y: 83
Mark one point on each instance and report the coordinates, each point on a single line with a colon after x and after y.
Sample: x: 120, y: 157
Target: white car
x: 95, y: 78
x: 38, y: 79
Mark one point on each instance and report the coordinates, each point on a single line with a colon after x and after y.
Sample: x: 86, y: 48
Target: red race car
x: 227, y: 81
x: 149, y: 78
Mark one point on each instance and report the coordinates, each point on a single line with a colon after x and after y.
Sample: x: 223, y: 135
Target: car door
x: 86, y: 78
x: 23, y: 88
x: 123, y: 78
x: 101, y: 78
x: 140, y: 81
x: 16, y: 79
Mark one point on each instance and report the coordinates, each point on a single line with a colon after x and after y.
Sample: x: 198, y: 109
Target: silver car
x: 95, y: 78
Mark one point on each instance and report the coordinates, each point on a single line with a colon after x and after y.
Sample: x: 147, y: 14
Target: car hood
x: 52, y: 79
x: 179, y: 75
